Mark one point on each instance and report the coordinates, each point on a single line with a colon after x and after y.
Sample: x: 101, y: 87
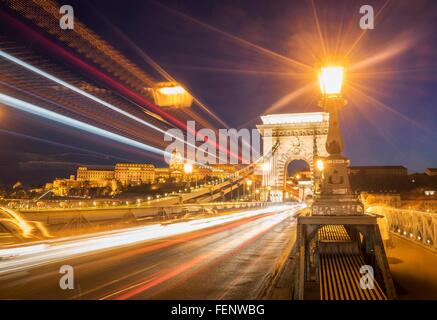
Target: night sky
x: 391, y: 119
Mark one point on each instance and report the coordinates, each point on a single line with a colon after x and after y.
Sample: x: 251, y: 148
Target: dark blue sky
x: 204, y: 59
x: 396, y: 125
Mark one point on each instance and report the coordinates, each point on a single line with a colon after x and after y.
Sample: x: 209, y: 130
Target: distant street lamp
x: 265, y: 167
x: 320, y: 165
x: 188, y: 169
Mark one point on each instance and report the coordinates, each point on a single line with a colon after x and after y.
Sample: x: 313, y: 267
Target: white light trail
x: 90, y: 96
x: 16, y: 259
x: 31, y: 108
x: 76, y: 89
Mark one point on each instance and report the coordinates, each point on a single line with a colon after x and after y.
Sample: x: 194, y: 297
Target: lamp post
x: 335, y: 179
x: 266, y: 179
x: 331, y: 81
x: 318, y: 175
x: 335, y: 197
x: 188, y: 169
x: 249, y: 187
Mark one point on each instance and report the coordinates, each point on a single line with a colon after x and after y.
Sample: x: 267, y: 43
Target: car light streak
x: 31, y: 108
x: 202, y: 261
x: 92, y: 97
x: 15, y: 218
x: 60, y: 249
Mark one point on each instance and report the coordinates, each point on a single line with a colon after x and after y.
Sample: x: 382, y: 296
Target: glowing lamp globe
x: 265, y: 167
x: 331, y: 80
x: 167, y: 94
x: 320, y: 165
x: 188, y: 168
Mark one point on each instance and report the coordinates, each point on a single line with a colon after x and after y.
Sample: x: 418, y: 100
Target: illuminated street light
x: 168, y: 94
x: 188, y: 168
x: 320, y: 165
x: 172, y: 90
x: 331, y: 80
x: 249, y: 182
x: 265, y: 167
x: 333, y: 169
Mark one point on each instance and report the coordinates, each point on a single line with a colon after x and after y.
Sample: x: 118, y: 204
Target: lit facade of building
x: 134, y: 174
x: 62, y: 187
x: 88, y: 174
x: 137, y: 174
x: 220, y: 171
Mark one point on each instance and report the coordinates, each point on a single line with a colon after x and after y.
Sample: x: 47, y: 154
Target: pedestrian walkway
x: 413, y: 268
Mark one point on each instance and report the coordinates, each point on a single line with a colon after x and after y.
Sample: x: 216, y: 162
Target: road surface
x: 222, y: 259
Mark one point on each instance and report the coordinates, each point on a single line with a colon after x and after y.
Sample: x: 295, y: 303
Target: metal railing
x: 418, y: 226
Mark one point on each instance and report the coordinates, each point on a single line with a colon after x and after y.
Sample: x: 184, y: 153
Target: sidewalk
x: 414, y: 269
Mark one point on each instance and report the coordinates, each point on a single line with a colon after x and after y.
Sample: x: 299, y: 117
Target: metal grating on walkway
x: 333, y: 233
x: 339, y: 276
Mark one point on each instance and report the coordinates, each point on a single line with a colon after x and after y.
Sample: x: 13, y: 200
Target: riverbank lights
x: 188, y: 168
x: 331, y: 80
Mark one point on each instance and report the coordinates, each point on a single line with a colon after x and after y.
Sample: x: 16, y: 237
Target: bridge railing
x: 418, y: 226
x: 65, y: 216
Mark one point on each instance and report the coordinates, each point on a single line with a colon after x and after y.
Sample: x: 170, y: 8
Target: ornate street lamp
x: 335, y: 199
x: 335, y: 196
x: 170, y: 94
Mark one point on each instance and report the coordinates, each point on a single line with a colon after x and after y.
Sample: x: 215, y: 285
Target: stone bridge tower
x: 300, y: 137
